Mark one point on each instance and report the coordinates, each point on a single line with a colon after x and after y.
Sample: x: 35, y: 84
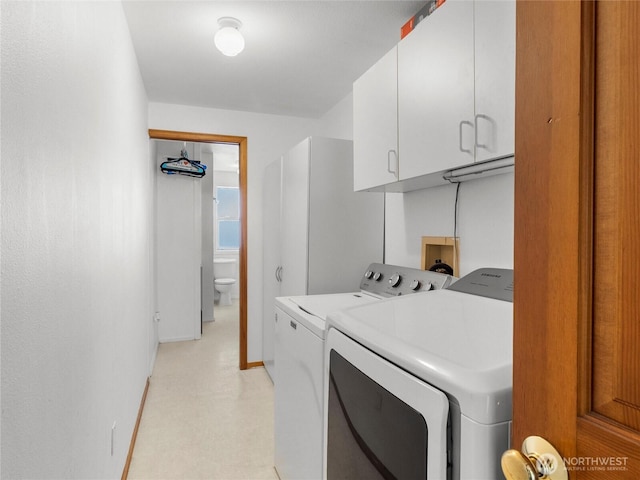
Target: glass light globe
x: 229, y: 40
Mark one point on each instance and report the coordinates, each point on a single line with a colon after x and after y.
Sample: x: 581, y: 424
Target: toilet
x: 224, y: 271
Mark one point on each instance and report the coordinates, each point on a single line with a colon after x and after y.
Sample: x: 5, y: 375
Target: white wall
x: 179, y: 244
x: 485, y: 222
x: 485, y: 212
x: 268, y: 137
x: 337, y: 122
x: 154, y: 337
x: 76, y: 262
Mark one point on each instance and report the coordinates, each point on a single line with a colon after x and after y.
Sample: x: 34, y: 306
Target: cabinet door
x: 295, y: 220
x: 270, y: 256
x: 495, y: 41
x: 435, y: 92
x: 375, y: 124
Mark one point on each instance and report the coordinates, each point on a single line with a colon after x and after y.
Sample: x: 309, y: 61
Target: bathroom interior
x: 226, y: 223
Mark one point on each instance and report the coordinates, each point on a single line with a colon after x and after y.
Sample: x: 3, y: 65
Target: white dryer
x: 299, y: 360
x: 420, y: 386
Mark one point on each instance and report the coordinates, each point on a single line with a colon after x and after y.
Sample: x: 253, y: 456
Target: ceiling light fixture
x: 228, y: 39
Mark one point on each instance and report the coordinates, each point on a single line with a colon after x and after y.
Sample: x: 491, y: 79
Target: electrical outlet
x: 156, y: 317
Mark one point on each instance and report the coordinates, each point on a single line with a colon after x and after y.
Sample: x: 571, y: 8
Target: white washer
x: 420, y: 386
x: 299, y: 360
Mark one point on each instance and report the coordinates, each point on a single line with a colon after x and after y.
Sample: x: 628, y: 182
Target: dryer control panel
x: 487, y: 282
x: 393, y: 280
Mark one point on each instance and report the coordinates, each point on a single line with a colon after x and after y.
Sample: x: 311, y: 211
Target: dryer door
x: 380, y: 422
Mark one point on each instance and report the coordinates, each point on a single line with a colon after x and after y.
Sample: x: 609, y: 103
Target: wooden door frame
x: 242, y: 143
x: 553, y: 216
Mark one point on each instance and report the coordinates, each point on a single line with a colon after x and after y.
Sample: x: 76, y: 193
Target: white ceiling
x: 301, y: 57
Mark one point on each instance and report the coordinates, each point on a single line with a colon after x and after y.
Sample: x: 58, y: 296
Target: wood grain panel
x: 134, y: 435
x: 547, y: 226
x: 193, y: 136
x: 244, y: 243
x: 601, y: 445
x: 576, y: 302
x: 616, y: 330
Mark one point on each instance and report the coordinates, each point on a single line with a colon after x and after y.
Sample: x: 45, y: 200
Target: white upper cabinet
x: 495, y: 73
x: 375, y: 124
x: 455, y: 98
x: 435, y: 92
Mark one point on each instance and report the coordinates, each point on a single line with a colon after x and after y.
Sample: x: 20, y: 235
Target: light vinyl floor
x: 203, y: 417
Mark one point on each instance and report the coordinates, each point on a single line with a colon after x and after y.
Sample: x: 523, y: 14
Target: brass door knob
x: 537, y: 460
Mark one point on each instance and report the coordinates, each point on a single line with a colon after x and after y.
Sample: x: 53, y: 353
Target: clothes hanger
x: 183, y: 166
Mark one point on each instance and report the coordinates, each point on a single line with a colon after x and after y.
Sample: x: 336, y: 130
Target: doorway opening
x: 242, y: 186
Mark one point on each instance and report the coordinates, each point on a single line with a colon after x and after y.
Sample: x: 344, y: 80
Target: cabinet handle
x: 279, y: 274
x: 464, y: 122
x: 395, y: 172
x: 481, y: 116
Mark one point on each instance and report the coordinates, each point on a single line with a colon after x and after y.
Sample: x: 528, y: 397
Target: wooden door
x: 577, y: 234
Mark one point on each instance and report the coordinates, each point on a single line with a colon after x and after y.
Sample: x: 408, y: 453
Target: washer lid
x: 312, y: 310
x: 458, y: 342
x: 322, y: 305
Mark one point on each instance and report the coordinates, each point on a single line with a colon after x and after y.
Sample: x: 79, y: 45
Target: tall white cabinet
x: 271, y: 213
x: 319, y: 235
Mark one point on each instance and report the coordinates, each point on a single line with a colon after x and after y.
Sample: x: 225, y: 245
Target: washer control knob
x: 415, y: 285
x: 429, y: 286
x: 368, y: 274
x: 395, y: 280
x: 377, y: 276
